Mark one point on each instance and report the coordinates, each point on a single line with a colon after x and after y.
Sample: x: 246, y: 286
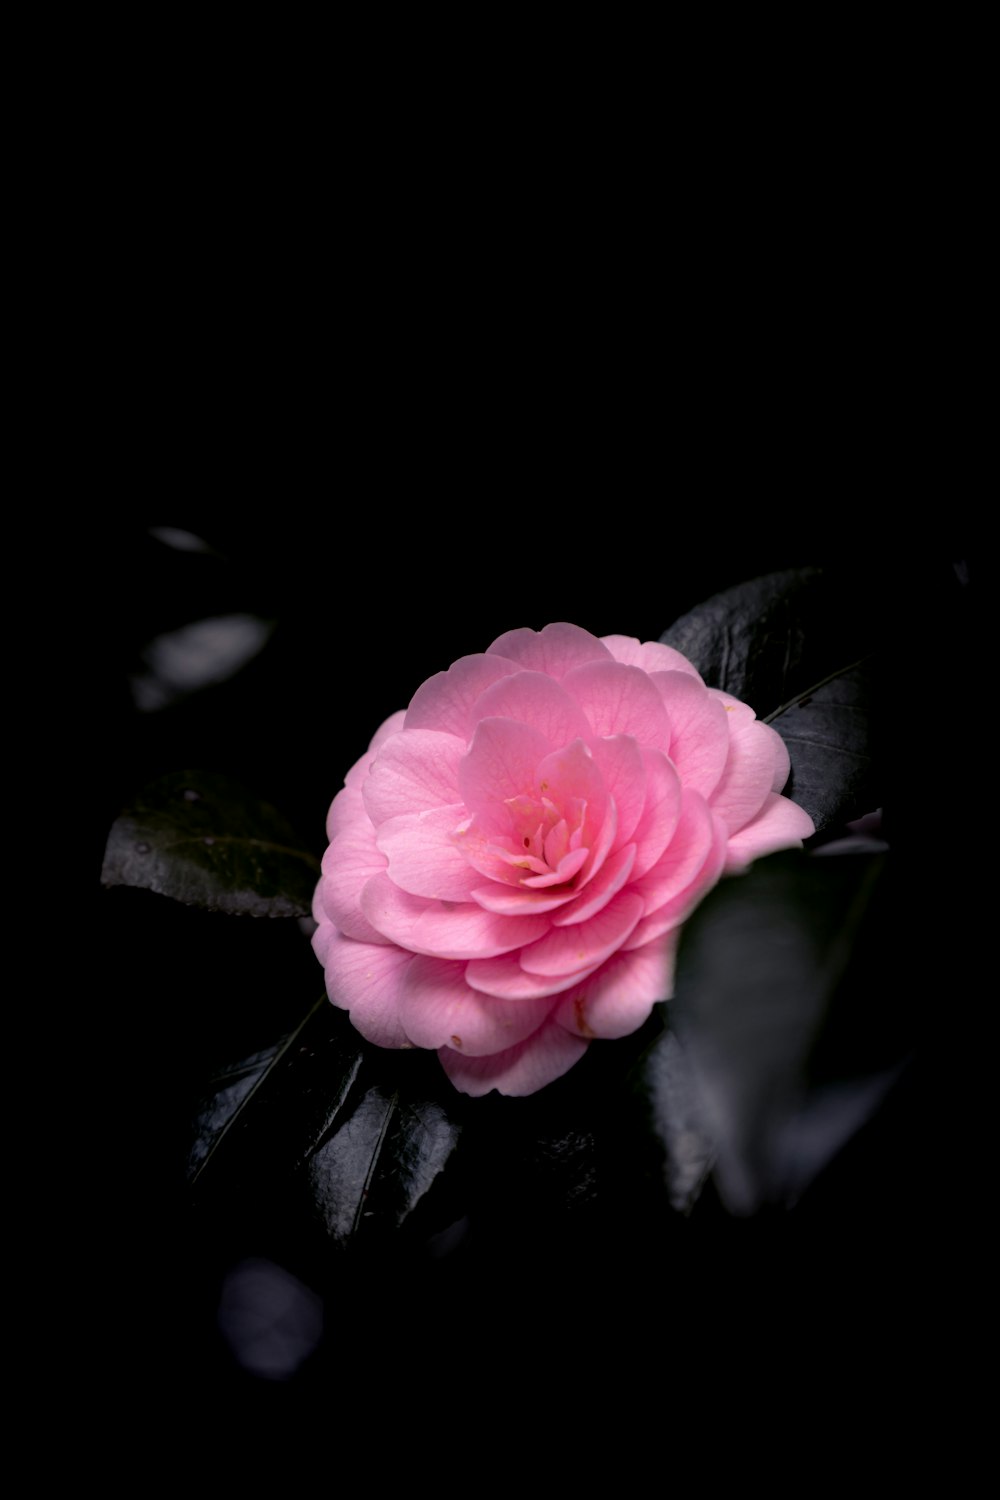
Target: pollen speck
x: 456, y: 1041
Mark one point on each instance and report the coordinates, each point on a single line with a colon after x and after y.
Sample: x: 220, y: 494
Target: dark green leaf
x: 829, y: 734
x: 769, y: 639
x: 352, y: 1135
x: 789, y: 1021
x: 202, y: 839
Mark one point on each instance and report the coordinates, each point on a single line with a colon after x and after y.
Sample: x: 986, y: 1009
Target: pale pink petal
x: 782, y: 764
x: 365, y: 979
x: 699, y: 743
x: 567, y: 868
x: 346, y: 808
x: 517, y: 901
x: 651, y: 656
x: 739, y: 712
x: 412, y: 772
x: 683, y: 857
x: 422, y: 856
x: 620, y: 700
x: 445, y: 700
x: 596, y: 894
x: 438, y: 1009
x: 322, y: 937
x: 500, y: 764
x: 661, y: 813
x: 555, y: 650
x: 617, y: 999
x: 443, y: 930
x: 392, y: 725
x: 780, y: 824
x: 572, y: 773
x: 619, y: 760
x: 749, y: 772
x: 601, y: 847
x: 523, y: 1069
x: 348, y: 864
x: 532, y: 698
x: 567, y: 950
x: 505, y: 978
x: 676, y: 901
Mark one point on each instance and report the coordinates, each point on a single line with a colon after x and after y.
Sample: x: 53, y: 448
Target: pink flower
x: 510, y: 862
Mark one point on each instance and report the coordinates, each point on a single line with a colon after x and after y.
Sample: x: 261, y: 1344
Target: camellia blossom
x: 510, y: 862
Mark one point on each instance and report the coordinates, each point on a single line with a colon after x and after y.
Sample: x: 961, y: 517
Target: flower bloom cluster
x: 510, y: 862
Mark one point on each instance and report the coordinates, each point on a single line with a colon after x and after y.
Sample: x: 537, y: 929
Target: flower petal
x: 596, y: 894
x: 555, y: 650
x: 392, y: 725
x: 620, y: 700
x: 650, y: 656
x: 348, y: 864
x: 567, y: 950
x: 445, y: 700
x: 780, y: 824
x: 365, y: 979
x: 523, y: 1069
x: 500, y: 764
x: 619, y: 997
x: 661, y: 813
x: 346, y: 808
x: 535, y: 699
x: 619, y: 760
x: 439, y: 1009
x: 422, y: 857
x: 750, y: 770
x: 699, y: 741
x: 505, y: 978
x: 441, y: 930
x: 413, y: 771
x: 518, y: 900
x: 782, y: 764
x: 672, y: 897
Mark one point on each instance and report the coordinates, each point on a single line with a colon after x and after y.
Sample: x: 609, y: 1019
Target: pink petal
x: 555, y: 650
x: 412, y: 772
x: 619, y: 760
x: 346, y: 808
x: 661, y: 813
x: 567, y: 950
x: 500, y: 763
x: 651, y: 656
x: 392, y: 725
x: 676, y: 900
x: 683, y: 857
x: 505, y: 978
x: 780, y: 824
x: 445, y: 700
x: 620, y: 700
x: 617, y: 999
x: 516, y: 901
x: 523, y: 1069
x: 566, y: 869
x: 782, y: 764
x: 348, y: 864
x: 532, y: 698
x: 438, y: 1009
x: 573, y: 774
x: 598, y: 892
x: 441, y: 930
x: 422, y: 857
x: 739, y: 712
x: 365, y: 979
x: 699, y: 744
x: 322, y: 938
x: 750, y: 769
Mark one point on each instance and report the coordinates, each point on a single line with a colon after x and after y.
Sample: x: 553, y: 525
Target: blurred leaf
x: 202, y: 839
x: 195, y: 656
x: 354, y: 1135
x: 829, y: 735
x: 788, y: 1019
x: 680, y: 1122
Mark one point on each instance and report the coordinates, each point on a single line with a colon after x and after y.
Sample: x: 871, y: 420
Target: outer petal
x: 567, y: 950
x: 322, y: 937
x: 441, y: 930
x: 532, y: 698
x: 683, y: 857
x: 413, y: 771
x: 346, y: 808
x: 678, y: 905
x: 699, y: 744
x: 782, y: 764
x: 750, y: 770
x: 619, y: 760
x: 619, y: 997
x: 392, y: 725
x: 660, y: 816
x: 500, y: 764
x: 439, y: 1009
x: 422, y: 857
x: 523, y: 1069
x: 555, y: 650
x: 780, y: 824
x: 445, y: 700
x: 620, y: 700
x: 365, y: 979
x: 348, y: 864
x: 651, y: 656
